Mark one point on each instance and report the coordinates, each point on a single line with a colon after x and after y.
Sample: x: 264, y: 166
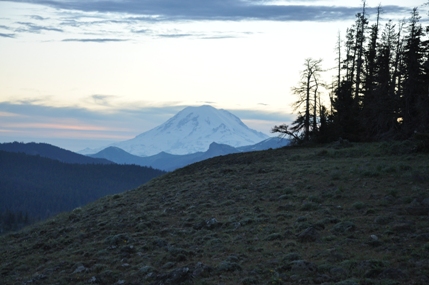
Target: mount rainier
x: 193, y: 130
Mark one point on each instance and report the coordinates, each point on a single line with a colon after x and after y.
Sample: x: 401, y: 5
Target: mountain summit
x: 193, y: 130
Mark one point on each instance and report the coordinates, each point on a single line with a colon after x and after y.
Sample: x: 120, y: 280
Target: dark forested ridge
x: 50, y: 151
x: 34, y: 187
x: 381, y: 89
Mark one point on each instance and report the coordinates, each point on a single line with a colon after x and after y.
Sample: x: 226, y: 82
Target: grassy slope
x: 290, y: 216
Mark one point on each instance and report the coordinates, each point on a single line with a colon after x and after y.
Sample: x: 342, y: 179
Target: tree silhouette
x: 381, y: 90
x: 307, y: 104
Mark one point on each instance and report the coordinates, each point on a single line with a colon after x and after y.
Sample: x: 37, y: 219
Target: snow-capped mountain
x: 193, y: 130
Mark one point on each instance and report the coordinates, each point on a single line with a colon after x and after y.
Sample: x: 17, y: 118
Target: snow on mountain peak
x: 192, y: 130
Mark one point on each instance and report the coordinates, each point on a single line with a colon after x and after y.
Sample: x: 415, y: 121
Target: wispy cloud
x: 95, y: 40
x: 7, y: 35
x: 175, y: 35
x: 64, y: 126
x: 260, y: 115
x: 231, y: 10
x: 130, y: 120
x: 141, y: 31
x: 127, y: 20
x: 33, y: 28
x: 7, y: 114
x: 102, y: 100
x: 73, y: 127
x: 37, y: 17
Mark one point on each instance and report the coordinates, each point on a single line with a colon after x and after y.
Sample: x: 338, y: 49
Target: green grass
x: 237, y: 219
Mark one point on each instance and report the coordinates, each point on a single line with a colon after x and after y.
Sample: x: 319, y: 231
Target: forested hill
x: 50, y: 151
x: 39, y: 187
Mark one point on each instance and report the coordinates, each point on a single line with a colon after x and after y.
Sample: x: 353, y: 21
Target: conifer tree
x: 386, y: 102
x: 369, y: 101
x: 361, y: 24
x: 381, y: 90
x: 414, y: 104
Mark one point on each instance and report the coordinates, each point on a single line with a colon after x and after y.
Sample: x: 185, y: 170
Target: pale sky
x: 82, y: 74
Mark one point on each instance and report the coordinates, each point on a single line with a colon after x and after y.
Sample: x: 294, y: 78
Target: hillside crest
x: 285, y: 216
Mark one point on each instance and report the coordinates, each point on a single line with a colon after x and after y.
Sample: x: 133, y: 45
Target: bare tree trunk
x: 316, y: 87
x: 307, y: 106
x: 339, y: 60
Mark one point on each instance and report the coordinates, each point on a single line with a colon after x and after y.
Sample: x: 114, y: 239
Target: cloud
x: 141, y: 31
x: 102, y: 99
x: 232, y: 10
x: 7, y: 114
x: 199, y: 35
x: 260, y: 115
x: 71, y: 127
x: 37, y: 17
x: 39, y: 100
x: 109, y: 21
x: 100, y: 40
x: 33, y: 28
x: 126, y: 121
x: 174, y: 35
x: 261, y: 120
x: 218, y: 37
x: 7, y: 35
x: 81, y: 20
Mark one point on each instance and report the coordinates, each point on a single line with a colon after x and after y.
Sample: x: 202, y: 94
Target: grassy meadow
x: 334, y: 214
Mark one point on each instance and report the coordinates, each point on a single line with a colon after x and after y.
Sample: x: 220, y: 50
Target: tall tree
x: 361, y: 24
x: 307, y: 104
x: 381, y: 90
x: 415, y: 85
x: 369, y: 102
x: 386, y: 101
x: 338, y: 48
x: 309, y: 85
x: 347, y: 99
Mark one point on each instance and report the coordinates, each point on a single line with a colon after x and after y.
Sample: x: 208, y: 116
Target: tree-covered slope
x: 50, y: 151
x: 41, y: 187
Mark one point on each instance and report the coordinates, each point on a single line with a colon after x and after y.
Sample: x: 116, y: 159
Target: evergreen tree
x: 381, y: 90
x: 347, y: 99
x: 361, y: 24
x: 386, y: 101
x: 414, y: 100
x: 369, y: 102
x: 345, y: 108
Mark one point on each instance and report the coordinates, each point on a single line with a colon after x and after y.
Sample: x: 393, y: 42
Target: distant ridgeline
x: 34, y: 187
x: 50, y: 151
